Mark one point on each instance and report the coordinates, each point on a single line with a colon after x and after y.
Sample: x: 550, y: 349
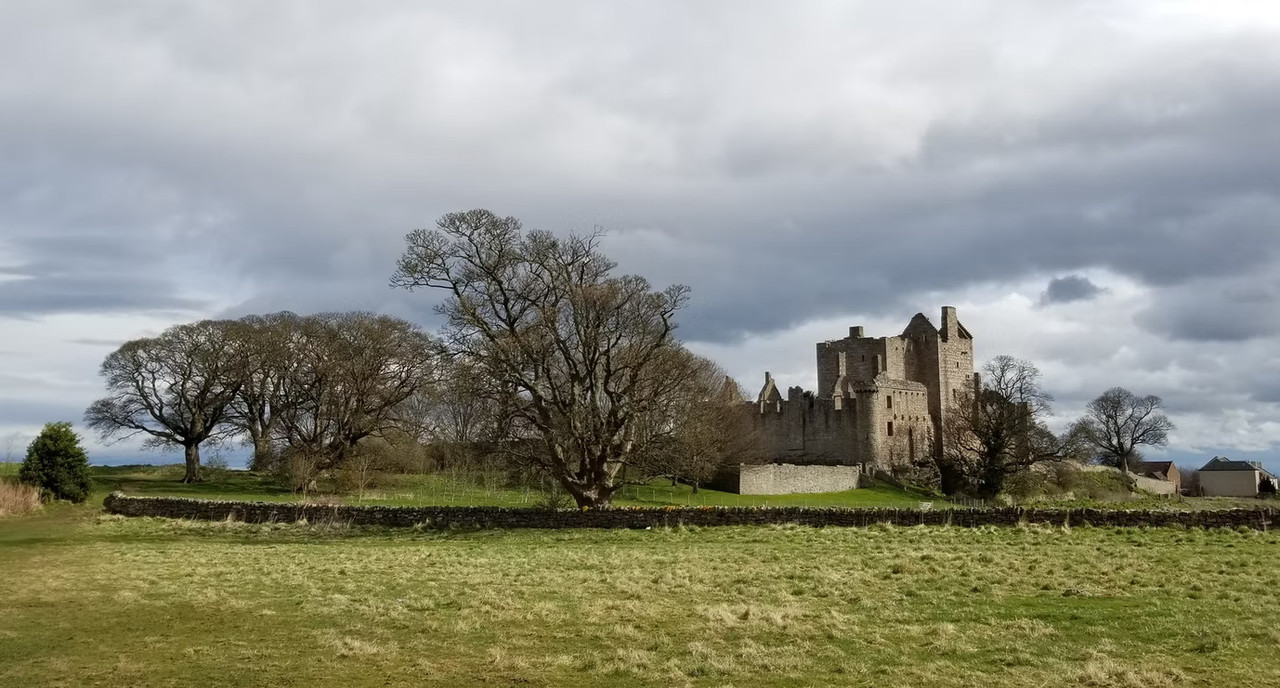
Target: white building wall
x: 1229, y: 483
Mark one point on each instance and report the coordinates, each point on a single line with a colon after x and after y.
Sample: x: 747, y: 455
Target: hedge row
x: 474, y: 517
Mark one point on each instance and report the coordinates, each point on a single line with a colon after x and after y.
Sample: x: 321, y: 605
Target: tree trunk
x: 263, y: 459
x: 1129, y: 482
x: 192, y: 456
x: 993, y: 477
x: 951, y: 479
x: 695, y: 487
x: 595, y: 497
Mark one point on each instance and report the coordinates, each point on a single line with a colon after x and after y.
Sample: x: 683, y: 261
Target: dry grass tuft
x: 17, y: 499
x: 1107, y: 673
x: 346, y: 646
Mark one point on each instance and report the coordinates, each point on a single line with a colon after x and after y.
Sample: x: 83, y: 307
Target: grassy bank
x: 474, y: 490
x: 491, y: 490
x: 95, y: 600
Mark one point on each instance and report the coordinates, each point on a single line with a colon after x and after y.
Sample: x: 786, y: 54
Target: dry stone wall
x: 446, y: 517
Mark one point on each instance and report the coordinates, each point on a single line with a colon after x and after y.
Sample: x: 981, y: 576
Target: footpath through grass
x: 94, y: 600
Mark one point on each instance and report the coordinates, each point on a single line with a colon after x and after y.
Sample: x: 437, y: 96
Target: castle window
x: 888, y: 401
x: 891, y: 428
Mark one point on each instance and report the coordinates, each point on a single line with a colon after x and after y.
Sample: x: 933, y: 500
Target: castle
x: 880, y: 402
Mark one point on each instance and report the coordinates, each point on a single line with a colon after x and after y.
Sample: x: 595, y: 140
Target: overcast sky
x: 1094, y: 184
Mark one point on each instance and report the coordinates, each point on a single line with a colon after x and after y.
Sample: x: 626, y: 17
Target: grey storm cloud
x: 788, y: 162
x: 1217, y: 309
x: 778, y: 199
x: 1069, y: 288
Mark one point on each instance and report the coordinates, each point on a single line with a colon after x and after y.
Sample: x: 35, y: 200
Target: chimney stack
x: 950, y: 324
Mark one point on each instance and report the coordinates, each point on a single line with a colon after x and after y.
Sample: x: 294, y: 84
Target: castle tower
x: 940, y: 358
x: 880, y: 400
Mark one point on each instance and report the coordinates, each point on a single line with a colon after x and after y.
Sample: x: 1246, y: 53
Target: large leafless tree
x: 998, y: 429
x: 1118, y: 423
x: 350, y: 374
x: 577, y: 351
x: 174, y: 389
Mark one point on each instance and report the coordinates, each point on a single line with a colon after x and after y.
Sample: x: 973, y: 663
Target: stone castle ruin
x: 880, y: 402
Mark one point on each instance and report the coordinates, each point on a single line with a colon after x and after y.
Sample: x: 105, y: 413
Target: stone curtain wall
x: 444, y: 517
x: 785, y: 478
x: 1160, y: 487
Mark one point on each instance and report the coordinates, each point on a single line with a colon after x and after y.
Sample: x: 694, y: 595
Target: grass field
x: 97, y: 600
x: 470, y: 490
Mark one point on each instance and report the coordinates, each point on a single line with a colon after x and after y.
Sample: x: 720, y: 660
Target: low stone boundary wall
x: 472, y: 517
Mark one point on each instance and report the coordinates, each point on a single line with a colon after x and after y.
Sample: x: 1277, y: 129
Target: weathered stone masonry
x: 880, y: 401
x: 462, y: 517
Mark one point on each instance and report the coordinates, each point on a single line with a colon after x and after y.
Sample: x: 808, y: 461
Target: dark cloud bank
x: 178, y: 160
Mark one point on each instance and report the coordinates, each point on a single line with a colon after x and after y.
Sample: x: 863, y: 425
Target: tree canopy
x: 998, y: 429
x: 579, y: 355
x: 1118, y: 423
x: 174, y: 389
x: 57, y: 464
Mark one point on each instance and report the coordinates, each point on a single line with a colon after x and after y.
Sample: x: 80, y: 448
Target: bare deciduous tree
x: 350, y: 375
x: 461, y: 409
x: 577, y: 352
x: 998, y: 430
x: 1190, y: 479
x: 700, y: 428
x: 1118, y: 422
x: 458, y: 420
x: 11, y: 443
x: 269, y: 344
x: 175, y: 388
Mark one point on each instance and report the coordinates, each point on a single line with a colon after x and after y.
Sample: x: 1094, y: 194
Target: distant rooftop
x: 1222, y: 463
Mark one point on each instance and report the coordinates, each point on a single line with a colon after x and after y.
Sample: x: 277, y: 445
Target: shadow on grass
x: 167, y: 481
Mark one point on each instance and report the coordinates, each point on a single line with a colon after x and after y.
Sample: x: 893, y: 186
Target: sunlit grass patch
x: 108, y: 600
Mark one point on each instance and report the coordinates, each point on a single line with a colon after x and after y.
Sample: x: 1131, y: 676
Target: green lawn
x: 95, y: 600
x: 480, y: 490
x: 470, y: 490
